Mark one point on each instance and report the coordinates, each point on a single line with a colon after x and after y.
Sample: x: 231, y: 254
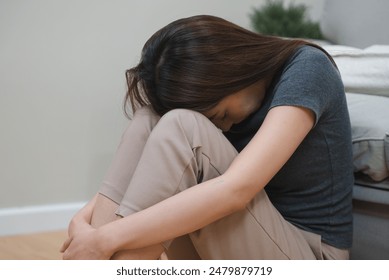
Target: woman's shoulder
x: 308, y: 60
x: 312, y: 53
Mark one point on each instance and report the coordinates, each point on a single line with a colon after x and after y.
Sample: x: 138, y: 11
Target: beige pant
x: 159, y: 157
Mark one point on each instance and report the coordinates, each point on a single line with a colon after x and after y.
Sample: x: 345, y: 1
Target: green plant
x: 274, y: 18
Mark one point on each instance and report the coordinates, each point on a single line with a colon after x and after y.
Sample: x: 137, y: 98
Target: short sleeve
x: 309, y: 80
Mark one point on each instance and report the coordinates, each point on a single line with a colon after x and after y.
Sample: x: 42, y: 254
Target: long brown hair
x: 195, y: 62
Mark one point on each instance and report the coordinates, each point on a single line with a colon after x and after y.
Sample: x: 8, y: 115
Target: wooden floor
x: 40, y: 246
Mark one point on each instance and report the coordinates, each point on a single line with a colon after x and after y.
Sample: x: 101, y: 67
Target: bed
x: 357, y: 38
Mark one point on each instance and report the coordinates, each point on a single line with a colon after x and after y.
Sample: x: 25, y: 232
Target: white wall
x: 62, y: 83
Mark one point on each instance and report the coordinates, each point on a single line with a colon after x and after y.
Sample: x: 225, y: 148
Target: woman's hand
x: 84, y: 243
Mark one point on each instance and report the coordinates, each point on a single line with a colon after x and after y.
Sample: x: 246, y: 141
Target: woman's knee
x: 187, y: 119
x: 179, y: 114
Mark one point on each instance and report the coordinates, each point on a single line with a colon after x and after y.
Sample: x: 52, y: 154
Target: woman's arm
x: 83, y: 215
x: 200, y: 205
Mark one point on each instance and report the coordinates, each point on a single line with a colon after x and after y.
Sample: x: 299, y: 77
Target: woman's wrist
x: 105, y: 241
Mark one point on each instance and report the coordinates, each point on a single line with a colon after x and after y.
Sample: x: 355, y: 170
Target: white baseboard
x: 26, y: 220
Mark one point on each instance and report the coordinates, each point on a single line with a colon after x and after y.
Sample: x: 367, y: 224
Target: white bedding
x: 363, y: 70
x: 365, y: 74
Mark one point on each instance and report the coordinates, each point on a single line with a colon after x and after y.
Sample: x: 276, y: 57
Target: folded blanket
x: 363, y: 70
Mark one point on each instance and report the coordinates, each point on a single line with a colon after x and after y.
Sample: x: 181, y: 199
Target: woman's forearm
x: 183, y: 213
x: 85, y: 212
x: 83, y: 215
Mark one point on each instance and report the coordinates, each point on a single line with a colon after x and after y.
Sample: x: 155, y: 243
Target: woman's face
x: 236, y: 107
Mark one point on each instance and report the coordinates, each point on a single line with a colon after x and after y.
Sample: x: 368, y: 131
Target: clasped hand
x: 83, y: 242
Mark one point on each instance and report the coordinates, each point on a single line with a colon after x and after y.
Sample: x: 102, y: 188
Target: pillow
x: 369, y: 117
x: 363, y: 71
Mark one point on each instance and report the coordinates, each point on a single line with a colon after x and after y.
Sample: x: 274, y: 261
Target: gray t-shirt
x: 313, y: 190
